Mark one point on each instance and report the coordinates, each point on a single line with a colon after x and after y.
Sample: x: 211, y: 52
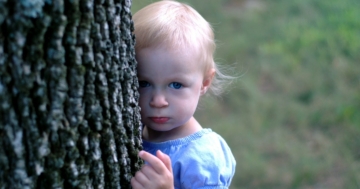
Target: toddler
x: 174, y: 50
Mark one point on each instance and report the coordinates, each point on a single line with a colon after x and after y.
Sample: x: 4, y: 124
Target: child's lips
x: 159, y: 119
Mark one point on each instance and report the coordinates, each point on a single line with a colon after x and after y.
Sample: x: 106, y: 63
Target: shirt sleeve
x: 208, y: 165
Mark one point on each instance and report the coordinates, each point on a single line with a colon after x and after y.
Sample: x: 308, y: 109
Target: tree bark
x: 68, y: 94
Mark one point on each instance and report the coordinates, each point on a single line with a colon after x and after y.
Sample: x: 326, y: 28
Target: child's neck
x: 189, y: 128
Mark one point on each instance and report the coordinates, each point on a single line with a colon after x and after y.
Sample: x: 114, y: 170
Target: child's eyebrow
x: 141, y: 75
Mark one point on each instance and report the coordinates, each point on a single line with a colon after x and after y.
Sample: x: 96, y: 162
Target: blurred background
x: 292, y: 116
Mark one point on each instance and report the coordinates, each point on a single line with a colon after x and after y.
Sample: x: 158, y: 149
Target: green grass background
x: 292, y: 117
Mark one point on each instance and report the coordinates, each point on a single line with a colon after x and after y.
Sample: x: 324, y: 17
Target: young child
x: 174, y: 50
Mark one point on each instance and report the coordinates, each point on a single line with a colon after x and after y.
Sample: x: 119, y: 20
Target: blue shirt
x: 201, y: 160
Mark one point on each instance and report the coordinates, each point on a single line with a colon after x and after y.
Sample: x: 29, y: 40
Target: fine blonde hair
x: 172, y: 25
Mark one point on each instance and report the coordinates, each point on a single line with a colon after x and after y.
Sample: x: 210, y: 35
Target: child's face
x: 171, y: 83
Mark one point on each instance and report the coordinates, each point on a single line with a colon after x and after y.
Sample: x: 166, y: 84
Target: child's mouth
x: 159, y: 119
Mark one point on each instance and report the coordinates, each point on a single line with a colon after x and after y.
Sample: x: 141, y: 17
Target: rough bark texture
x: 68, y: 94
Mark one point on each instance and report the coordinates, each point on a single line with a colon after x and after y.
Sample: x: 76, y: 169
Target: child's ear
x: 207, y: 81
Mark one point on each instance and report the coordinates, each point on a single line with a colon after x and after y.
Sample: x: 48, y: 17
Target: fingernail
x: 159, y: 151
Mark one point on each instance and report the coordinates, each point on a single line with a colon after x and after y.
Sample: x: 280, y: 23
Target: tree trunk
x: 68, y: 94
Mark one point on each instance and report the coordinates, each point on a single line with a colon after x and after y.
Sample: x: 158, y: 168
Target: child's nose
x: 158, y: 100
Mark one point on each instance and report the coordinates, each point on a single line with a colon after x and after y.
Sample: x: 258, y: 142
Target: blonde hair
x: 173, y: 25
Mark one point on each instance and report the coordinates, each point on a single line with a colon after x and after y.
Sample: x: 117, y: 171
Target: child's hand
x: 157, y: 175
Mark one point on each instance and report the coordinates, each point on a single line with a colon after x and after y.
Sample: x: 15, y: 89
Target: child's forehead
x: 187, y: 57
x: 180, y: 52
x: 174, y: 45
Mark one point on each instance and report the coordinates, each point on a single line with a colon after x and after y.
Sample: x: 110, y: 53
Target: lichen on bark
x: 68, y: 94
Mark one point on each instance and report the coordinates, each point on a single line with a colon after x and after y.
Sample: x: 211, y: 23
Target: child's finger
x: 142, y: 175
x: 136, y: 184
x: 165, y: 159
x: 154, y: 161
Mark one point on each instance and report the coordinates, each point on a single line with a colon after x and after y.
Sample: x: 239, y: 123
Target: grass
x: 292, y: 118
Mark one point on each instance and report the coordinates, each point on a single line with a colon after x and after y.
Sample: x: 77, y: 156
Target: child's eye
x: 144, y: 84
x: 175, y: 85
